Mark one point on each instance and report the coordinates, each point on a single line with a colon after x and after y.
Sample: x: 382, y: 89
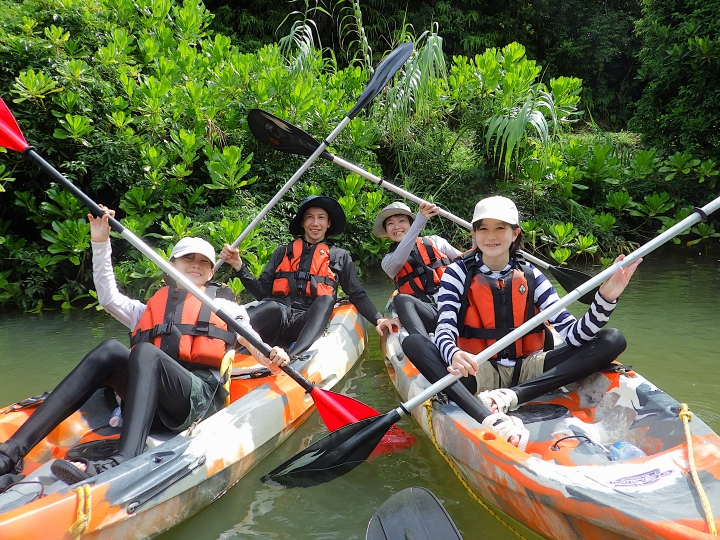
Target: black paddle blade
x: 383, y: 73
x: 412, y: 513
x: 571, y: 279
x: 335, y: 454
x: 280, y: 135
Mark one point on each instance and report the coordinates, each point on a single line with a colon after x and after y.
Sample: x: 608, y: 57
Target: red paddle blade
x: 10, y: 135
x: 393, y: 441
x: 337, y: 410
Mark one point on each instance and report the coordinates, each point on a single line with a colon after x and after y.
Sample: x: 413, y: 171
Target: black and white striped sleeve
x: 575, y: 332
x: 452, y: 287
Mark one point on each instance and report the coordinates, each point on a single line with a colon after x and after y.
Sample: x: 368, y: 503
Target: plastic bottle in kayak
x: 622, y: 450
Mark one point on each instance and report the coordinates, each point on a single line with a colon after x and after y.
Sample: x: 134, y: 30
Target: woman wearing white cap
x: 486, y: 293
x: 171, y: 371
x: 415, y: 263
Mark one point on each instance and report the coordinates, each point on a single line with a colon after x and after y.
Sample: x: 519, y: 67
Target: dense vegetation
x: 589, y: 39
x: 143, y: 104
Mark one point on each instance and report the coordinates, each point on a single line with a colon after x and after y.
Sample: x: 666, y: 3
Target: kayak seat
x: 247, y: 374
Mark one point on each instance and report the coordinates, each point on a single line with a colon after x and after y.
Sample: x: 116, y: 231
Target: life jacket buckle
x: 161, y: 329
x: 303, y: 275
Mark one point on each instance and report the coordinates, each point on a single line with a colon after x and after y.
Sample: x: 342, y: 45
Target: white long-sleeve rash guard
x: 129, y: 311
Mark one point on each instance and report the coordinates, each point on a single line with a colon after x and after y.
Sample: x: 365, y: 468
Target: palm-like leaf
x: 509, y: 128
x: 416, y: 89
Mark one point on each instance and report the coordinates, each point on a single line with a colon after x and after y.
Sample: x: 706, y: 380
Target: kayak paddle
x: 384, y: 72
x: 346, y: 448
x: 412, y: 513
x: 335, y: 409
x: 285, y: 137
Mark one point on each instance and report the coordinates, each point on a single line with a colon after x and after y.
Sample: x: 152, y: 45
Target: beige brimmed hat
x: 391, y: 209
x: 497, y: 207
x: 192, y: 244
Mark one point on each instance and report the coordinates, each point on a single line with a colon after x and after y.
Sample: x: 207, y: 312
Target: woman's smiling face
x: 195, y: 267
x: 494, y: 238
x: 397, y: 227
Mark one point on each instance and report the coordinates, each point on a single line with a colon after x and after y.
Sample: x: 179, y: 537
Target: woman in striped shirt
x: 488, y: 292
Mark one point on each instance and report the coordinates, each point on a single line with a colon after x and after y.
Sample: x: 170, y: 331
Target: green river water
x: 669, y: 316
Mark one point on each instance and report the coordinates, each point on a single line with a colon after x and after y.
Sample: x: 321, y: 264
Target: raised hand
x: 231, y: 256
x: 615, y: 284
x: 99, y: 226
x: 429, y: 209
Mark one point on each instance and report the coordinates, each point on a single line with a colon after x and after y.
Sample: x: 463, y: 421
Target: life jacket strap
x: 422, y: 271
x: 166, y: 329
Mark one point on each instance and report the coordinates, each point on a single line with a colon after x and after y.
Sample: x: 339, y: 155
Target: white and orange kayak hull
x: 181, y: 474
x: 568, y: 489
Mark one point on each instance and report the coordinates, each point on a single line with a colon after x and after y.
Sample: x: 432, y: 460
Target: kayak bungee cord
x: 685, y: 415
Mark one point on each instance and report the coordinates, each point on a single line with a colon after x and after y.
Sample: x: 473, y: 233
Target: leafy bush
x: 680, y: 105
x: 144, y: 107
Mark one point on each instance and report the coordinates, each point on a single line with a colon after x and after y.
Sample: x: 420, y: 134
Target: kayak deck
x: 564, y: 486
x: 179, y: 474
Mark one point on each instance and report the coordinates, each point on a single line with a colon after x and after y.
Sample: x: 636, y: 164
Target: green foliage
x: 227, y: 170
x: 144, y: 107
x: 34, y: 87
x: 593, y: 41
x: 560, y: 234
x: 680, y: 104
x: 68, y: 238
x: 654, y: 206
x: 679, y: 162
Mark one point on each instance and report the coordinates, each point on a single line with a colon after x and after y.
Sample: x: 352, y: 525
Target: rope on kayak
x: 84, y: 503
x: 428, y: 410
x: 686, y: 415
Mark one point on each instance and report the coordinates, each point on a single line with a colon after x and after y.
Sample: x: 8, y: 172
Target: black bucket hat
x: 330, y: 205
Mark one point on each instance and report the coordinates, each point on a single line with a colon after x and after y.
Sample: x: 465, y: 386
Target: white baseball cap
x: 497, y: 207
x: 191, y: 244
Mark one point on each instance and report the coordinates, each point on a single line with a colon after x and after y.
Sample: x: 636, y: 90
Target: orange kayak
x: 179, y: 474
x: 571, y: 483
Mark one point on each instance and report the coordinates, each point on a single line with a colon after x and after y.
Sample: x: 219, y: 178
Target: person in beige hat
x: 171, y: 373
x: 487, y: 292
x: 415, y: 263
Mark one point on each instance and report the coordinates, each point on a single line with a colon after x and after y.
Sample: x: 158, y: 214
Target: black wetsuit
x: 149, y: 382
x: 282, y: 320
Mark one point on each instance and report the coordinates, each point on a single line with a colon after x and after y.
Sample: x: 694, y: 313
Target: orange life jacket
x: 305, y: 271
x: 180, y: 325
x: 492, y: 308
x: 420, y: 276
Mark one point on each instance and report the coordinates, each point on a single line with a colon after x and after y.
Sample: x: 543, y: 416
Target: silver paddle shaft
x: 564, y: 302
x: 309, y: 161
x: 417, y: 200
